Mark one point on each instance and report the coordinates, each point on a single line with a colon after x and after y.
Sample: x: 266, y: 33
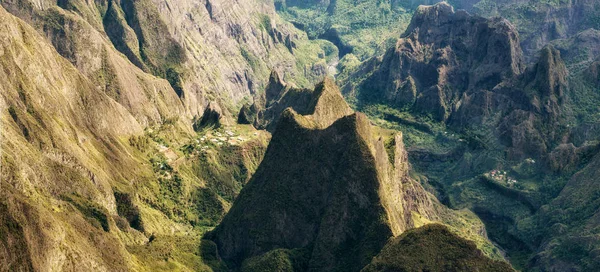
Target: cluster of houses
x: 502, y: 176
x: 228, y: 137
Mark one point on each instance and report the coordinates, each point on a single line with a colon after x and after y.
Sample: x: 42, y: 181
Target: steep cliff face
x: 541, y: 22
x: 529, y: 109
x: 467, y: 71
x: 92, y: 174
x: 340, y: 202
x: 55, y: 154
x: 464, y: 76
x: 197, y: 52
x: 80, y: 38
x: 442, y: 55
x: 234, y: 45
x: 328, y: 195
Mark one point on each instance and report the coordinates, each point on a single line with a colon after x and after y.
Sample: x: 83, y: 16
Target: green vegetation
x: 418, y: 130
x: 433, y: 248
x: 171, y: 253
x: 165, y: 188
x: 280, y: 260
x: 93, y: 213
x: 363, y: 28
x: 12, y: 237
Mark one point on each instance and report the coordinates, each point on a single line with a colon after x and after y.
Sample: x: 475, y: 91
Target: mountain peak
x: 326, y: 186
x: 327, y: 103
x: 551, y: 72
x: 427, y: 14
x: 275, y: 87
x: 442, y: 55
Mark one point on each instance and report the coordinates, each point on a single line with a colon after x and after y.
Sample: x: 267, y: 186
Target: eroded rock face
x: 468, y: 71
x: 325, y: 100
x: 163, y: 60
x: 442, y: 55
x: 212, y: 117
x: 326, y: 186
x: 81, y: 39
x: 532, y: 122
x: 232, y: 46
x: 51, y: 116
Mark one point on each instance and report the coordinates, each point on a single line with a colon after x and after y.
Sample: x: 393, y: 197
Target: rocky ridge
x: 473, y: 76
x: 442, y: 55
x: 334, y: 209
x: 48, y: 155
x: 117, y: 44
x: 98, y: 155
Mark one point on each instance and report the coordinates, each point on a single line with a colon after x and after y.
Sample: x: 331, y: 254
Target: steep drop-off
x: 326, y: 194
x: 88, y: 184
x: 48, y: 155
x: 205, y: 51
x: 491, y: 133
x: 467, y: 71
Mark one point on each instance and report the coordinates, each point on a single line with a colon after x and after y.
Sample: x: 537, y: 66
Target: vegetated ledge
x: 517, y: 195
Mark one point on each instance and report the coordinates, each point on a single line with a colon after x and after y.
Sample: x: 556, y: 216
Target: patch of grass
x: 171, y: 253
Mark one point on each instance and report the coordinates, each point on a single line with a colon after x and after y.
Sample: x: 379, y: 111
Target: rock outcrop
x: 468, y: 71
x: 327, y: 188
x: 532, y: 121
x: 212, y: 117
x: 325, y: 100
x: 443, y: 54
x: 245, y: 116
